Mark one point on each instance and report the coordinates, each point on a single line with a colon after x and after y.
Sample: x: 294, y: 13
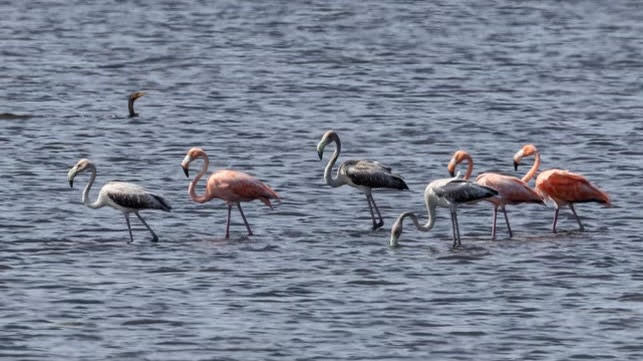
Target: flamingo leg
x: 381, y: 222
x: 571, y: 205
x: 244, y: 219
x: 555, y: 220
x: 507, y: 221
x: 227, y: 225
x: 129, y: 228
x: 493, y: 225
x: 155, y: 238
x: 455, y: 239
x: 370, y: 208
x: 457, y: 227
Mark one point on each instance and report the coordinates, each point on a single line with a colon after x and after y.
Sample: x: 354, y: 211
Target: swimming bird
x: 232, y: 186
x: 125, y: 197
x: 511, y: 190
x: 130, y: 103
x: 559, y: 186
x: 361, y: 174
x: 446, y: 193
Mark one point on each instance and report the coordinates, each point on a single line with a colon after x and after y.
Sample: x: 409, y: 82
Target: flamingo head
x: 396, y: 232
x: 526, y: 151
x: 456, y: 159
x: 81, y: 166
x: 193, y: 154
x: 328, y: 137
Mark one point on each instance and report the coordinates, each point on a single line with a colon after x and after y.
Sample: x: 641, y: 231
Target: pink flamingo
x: 560, y: 186
x: 232, y: 186
x: 511, y: 190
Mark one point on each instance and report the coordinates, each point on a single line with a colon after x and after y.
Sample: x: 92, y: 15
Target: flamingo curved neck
x: 85, y: 197
x: 192, y: 187
x: 328, y: 177
x: 469, y: 166
x: 533, y: 170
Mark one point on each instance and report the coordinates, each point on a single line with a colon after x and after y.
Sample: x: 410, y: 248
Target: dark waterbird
x: 125, y: 197
x: 361, y: 174
x: 130, y: 103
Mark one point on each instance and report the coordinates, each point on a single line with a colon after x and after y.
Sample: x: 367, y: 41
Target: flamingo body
x: 560, y: 187
x: 231, y: 186
x: 234, y: 187
x: 563, y: 187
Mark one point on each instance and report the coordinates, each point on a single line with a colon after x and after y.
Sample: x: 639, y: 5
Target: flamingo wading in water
x: 560, y: 186
x: 232, y: 186
x: 125, y: 197
x: 511, y: 190
x: 446, y: 193
x: 361, y: 174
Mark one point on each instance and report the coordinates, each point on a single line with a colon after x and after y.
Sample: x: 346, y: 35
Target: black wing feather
x: 372, y: 174
x: 463, y: 191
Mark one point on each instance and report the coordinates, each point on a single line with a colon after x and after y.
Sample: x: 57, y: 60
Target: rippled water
x: 256, y: 84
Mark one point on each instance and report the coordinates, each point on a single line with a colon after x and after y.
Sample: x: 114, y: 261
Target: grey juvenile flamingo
x: 361, y: 174
x: 446, y: 193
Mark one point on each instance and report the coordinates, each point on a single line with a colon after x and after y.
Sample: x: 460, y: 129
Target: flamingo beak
x: 320, y: 153
x: 515, y: 165
x: 185, y: 170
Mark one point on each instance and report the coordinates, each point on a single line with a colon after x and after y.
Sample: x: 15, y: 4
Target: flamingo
x: 232, y: 186
x: 130, y: 103
x: 446, y: 193
x: 560, y: 186
x: 361, y: 174
x: 125, y: 197
x: 511, y: 190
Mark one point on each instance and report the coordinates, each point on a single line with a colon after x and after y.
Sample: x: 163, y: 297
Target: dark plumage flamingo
x: 361, y: 174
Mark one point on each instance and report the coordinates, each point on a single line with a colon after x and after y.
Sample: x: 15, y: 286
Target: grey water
x: 256, y: 84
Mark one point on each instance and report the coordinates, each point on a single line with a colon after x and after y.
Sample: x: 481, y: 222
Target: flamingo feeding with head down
x: 125, y: 197
x: 511, y: 190
x: 361, y: 174
x: 446, y: 193
x: 232, y: 186
x: 560, y: 186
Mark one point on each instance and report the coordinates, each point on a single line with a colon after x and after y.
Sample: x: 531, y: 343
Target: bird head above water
x: 130, y: 104
x: 526, y: 151
x: 457, y: 158
x: 192, y: 154
x: 328, y: 137
x: 81, y: 166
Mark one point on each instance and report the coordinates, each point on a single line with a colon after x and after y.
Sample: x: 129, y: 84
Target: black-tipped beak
x: 185, y: 170
x: 452, y: 173
x: 515, y: 165
x: 320, y: 154
x: 71, y: 183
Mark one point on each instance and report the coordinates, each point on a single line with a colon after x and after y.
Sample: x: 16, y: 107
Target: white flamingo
x: 125, y: 197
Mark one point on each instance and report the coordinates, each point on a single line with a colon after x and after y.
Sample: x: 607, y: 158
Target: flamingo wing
x: 560, y: 185
x: 372, y: 174
x: 463, y: 191
x: 238, y: 186
x: 132, y: 196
